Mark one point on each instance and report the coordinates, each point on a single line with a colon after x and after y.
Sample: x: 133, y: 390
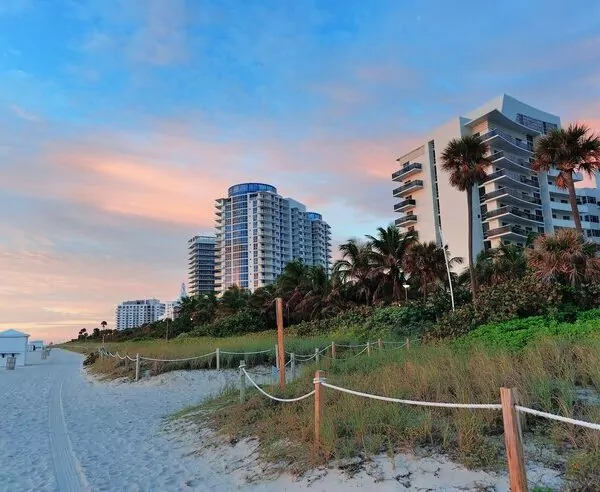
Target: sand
x: 63, y: 430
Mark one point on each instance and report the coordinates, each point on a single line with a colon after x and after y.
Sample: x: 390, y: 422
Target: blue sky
x: 122, y: 120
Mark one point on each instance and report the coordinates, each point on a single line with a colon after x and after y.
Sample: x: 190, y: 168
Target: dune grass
x: 186, y: 347
x: 549, y: 376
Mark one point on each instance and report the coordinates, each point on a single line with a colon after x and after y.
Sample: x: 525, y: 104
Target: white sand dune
x: 61, y: 430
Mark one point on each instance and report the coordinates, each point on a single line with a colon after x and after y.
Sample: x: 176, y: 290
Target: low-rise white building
x: 131, y: 314
x: 14, y: 343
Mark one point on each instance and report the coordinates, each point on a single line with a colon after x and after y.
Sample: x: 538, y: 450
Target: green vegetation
x: 543, y: 373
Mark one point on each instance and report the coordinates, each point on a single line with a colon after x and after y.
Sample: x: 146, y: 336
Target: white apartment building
x: 201, y: 265
x: 513, y: 202
x: 259, y: 232
x: 131, y: 314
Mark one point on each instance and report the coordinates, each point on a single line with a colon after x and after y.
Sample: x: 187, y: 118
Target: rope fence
x: 320, y: 352
x: 510, y: 410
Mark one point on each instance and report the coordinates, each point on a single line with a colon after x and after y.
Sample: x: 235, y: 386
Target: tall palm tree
x: 388, y: 250
x: 575, y: 149
x: 564, y: 257
x: 426, y: 264
x: 465, y: 159
x: 354, y: 267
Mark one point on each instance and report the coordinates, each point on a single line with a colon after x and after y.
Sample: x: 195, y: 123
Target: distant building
x: 171, y: 306
x: 259, y: 232
x: 131, y: 314
x: 201, y: 265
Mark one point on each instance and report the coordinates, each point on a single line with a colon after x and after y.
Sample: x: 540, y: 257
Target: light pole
x: 406, y: 287
x: 447, y: 267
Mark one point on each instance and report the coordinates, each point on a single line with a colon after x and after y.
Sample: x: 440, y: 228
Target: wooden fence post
x: 318, y: 409
x: 242, y: 382
x: 137, y: 367
x: 333, y: 350
x: 280, y: 342
x: 276, y: 356
x: 293, y: 365
x: 407, y: 343
x: 512, y: 440
x: 368, y: 348
x: 317, y: 356
x: 218, y: 356
x: 379, y: 343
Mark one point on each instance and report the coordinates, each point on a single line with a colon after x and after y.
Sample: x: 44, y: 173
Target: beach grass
x: 242, y: 348
x: 556, y: 375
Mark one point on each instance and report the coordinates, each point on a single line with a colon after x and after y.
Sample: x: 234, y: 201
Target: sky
x: 121, y: 121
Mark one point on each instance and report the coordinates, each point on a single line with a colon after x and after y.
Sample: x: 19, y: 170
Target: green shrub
x: 516, y: 299
x: 243, y: 321
x: 517, y: 333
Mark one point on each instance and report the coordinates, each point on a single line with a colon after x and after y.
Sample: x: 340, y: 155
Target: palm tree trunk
x: 573, y: 202
x: 471, y: 267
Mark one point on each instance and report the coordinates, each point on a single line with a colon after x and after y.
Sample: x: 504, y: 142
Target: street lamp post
x: 406, y: 287
x: 447, y: 268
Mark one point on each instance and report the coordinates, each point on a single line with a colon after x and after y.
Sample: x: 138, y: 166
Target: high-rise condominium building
x: 131, y: 314
x: 511, y: 203
x: 201, y: 263
x: 259, y: 232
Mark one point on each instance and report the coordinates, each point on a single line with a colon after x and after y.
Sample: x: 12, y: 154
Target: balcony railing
x: 408, y: 186
x: 513, y: 158
x: 398, y: 207
x: 517, y: 143
x: 514, y: 211
x: 415, y: 166
x: 503, y: 173
x: 406, y: 220
x: 506, y: 192
x: 505, y: 230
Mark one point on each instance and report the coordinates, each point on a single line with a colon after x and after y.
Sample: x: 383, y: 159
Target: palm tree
x: 502, y: 264
x: 575, y: 149
x: 388, y: 250
x: 103, y: 324
x: 426, y: 264
x: 566, y: 257
x: 465, y: 160
x: 354, y: 267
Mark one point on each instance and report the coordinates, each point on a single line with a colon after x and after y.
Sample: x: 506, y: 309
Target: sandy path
x: 67, y: 469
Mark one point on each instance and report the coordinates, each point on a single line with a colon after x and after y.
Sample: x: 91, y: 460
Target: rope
x: 551, y: 416
x: 284, y: 400
x: 247, y: 353
x: 490, y: 406
x: 178, y: 360
x: 346, y: 358
x: 351, y: 346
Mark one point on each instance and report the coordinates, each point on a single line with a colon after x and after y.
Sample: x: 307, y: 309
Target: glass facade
x: 259, y: 232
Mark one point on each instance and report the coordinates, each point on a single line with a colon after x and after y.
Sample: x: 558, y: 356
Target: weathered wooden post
x: 368, y: 348
x: 407, y: 343
x: 317, y: 353
x: 333, y: 350
x: 318, y: 409
x: 279, y: 306
x: 379, y: 343
x: 293, y: 365
x: 242, y: 382
x: 218, y: 356
x: 137, y: 367
x: 512, y: 440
